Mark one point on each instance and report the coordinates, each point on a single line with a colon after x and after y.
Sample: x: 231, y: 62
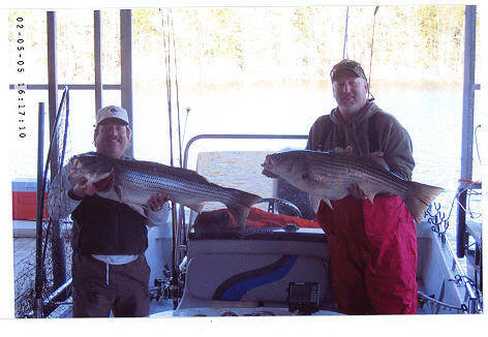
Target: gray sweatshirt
x: 331, y: 131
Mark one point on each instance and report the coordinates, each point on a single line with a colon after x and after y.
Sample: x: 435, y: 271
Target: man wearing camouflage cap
x: 372, y: 246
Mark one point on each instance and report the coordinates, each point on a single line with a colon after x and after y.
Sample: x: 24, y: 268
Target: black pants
x: 99, y: 288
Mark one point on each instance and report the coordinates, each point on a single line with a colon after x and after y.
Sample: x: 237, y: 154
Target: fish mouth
x: 269, y: 174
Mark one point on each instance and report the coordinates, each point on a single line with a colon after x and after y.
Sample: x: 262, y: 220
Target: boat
x: 283, y: 270
x: 268, y: 270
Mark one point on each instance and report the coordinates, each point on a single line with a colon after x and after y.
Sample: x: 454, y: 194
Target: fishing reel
x: 165, y: 288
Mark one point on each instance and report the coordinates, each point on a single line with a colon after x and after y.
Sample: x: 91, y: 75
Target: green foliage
x: 225, y: 36
x: 428, y: 22
x: 144, y: 21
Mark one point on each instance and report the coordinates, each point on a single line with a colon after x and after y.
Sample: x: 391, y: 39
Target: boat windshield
x: 231, y: 162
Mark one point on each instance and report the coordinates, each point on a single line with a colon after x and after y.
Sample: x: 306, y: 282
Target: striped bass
x: 329, y: 175
x: 134, y: 181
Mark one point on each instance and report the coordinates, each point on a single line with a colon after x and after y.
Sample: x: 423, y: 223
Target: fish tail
x: 419, y: 196
x: 240, y: 204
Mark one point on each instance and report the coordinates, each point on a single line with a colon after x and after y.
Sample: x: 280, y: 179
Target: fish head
x: 91, y: 168
x: 277, y: 165
x: 291, y: 166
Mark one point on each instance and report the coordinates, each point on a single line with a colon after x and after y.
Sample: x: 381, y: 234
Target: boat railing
x: 235, y: 136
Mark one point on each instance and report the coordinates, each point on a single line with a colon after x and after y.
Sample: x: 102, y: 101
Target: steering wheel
x: 281, y: 206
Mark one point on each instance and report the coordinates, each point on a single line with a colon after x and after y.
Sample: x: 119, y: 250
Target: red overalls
x: 373, y: 255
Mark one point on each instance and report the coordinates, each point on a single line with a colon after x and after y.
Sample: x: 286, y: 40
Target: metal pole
x: 98, y: 59
x: 52, y: 70
x: 70, y: 86
x: 126, y: 68
x: 38, y: 309
x: 468, y: 123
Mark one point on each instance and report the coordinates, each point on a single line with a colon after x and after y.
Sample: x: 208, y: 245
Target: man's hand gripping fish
x: 330, y: 175
x: 135, y: 181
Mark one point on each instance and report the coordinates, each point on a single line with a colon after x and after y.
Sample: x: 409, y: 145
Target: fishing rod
x: 188, y: 110
x: 167, y: 63
x: 181, y: 235
x: 181, y: 227
x: 372, y: 44
x: 172, y: 33
x: 346, y: 28
x: 174, y: 286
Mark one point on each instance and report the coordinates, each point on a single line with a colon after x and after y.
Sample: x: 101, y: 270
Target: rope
x: 456, y: 197
x: 476, y: 142
x: 434, y: 301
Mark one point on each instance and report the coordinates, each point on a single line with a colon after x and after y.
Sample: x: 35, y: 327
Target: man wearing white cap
x: 110, y: 272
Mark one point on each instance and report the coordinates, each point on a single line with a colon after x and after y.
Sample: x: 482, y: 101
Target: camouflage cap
x: 348, y: 65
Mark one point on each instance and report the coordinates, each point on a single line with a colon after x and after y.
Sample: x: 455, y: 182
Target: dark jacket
x: 107, y: 227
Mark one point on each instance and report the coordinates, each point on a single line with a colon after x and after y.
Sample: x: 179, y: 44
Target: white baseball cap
x: 112, y: 111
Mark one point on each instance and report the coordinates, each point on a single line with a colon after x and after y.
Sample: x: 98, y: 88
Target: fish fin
x: 327, y: 201
x: 240, y: 204
x: 315, y: 202
x: 195, y: 207
x: 240, y: 213
x: 118, y: 191
x: 419, y: 196
x: 368, y: 190
x: 370, y: 197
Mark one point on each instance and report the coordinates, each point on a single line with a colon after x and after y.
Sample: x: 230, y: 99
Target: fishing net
x: 55, y: 251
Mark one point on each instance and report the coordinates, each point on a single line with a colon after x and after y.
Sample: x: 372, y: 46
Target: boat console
x: 257, y: 269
